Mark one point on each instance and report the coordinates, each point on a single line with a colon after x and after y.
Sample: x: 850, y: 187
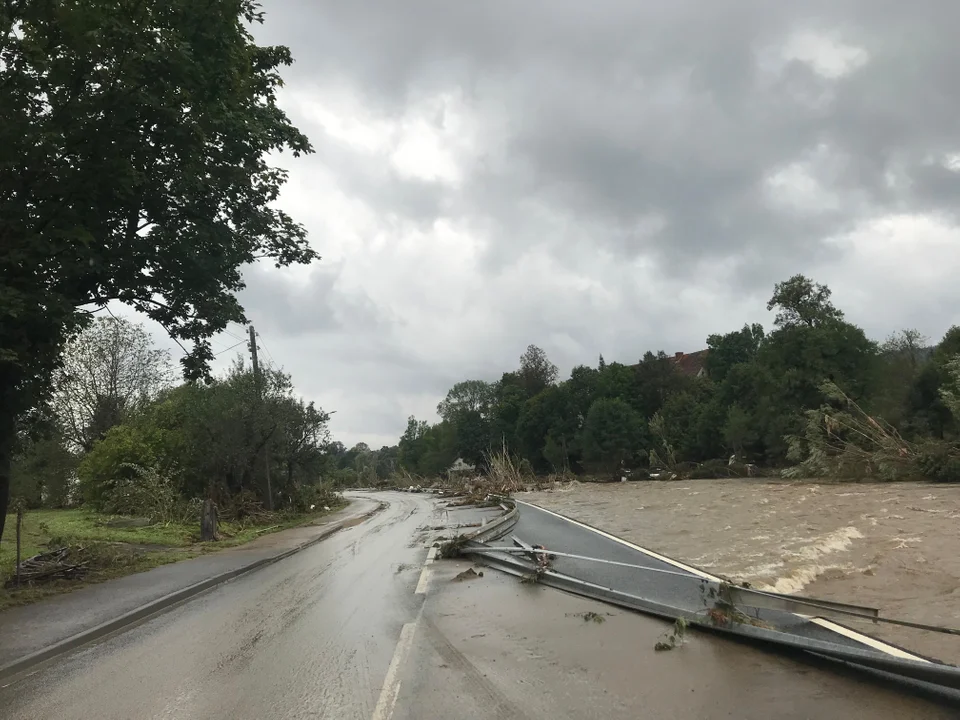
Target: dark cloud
x: 308, y: 305
x: 638, y: 172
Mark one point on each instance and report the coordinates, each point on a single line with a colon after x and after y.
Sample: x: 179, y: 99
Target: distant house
x: 691, y: 364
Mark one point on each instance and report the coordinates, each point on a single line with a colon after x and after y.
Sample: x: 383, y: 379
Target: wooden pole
x: 19, y: 532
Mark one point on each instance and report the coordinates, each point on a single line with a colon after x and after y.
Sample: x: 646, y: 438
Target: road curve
x: 362, y: 626
x: 311, y: 636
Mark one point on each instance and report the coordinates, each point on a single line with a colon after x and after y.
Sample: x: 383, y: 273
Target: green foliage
x: 42, y: 472
x: 150, y: 493
x: 612, y: 434
x: 772, y: 399
x: 801, y: 302
x: 110, y: 371
x: 841, y: 440
x: 738, y: 430
x: 733, y: 349
x: 107, y: 470
x: 216, y: 440
x: 536, y: 371
x: 135, y: 140
x: 470, y: 396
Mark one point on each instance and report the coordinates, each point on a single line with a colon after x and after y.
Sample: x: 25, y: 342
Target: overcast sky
x: 599, y: 177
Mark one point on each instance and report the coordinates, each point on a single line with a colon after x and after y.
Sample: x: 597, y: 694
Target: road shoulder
x: 35, y: 633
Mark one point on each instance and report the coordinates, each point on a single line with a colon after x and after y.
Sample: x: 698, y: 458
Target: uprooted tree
x: 840, y: 439
x: 133, y: 139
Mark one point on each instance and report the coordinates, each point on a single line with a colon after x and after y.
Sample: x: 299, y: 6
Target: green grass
x: 116, y: 551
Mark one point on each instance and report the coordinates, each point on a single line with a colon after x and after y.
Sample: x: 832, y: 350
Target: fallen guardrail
x: 716, y: 605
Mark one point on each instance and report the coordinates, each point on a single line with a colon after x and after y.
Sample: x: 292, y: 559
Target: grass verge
x: 113, y: 548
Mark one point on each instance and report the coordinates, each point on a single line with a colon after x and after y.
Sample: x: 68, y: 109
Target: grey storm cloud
x: 314, y: 306
x: 667, y: 162
x: 617, y: 110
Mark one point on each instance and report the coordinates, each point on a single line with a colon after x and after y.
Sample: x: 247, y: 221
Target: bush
x: 939, y: 461
x: 106, y: 472
x: 312, y: 498
x: 152, y: 494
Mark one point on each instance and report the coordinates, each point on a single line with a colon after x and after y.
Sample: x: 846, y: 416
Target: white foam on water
x: 813, y: 561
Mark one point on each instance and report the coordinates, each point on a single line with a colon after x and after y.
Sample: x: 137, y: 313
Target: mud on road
x: 891, y: 546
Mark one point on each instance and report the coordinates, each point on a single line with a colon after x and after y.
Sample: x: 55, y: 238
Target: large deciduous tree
x: 134, y: 139
x: 536, y: 371
x: 109, y: 371
x: 468, y: 396
x: 801, y: 301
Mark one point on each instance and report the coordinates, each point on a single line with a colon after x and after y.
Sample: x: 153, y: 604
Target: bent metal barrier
x: 571, y: 556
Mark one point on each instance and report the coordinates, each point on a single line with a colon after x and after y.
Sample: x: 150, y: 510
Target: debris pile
x: 52, y: 565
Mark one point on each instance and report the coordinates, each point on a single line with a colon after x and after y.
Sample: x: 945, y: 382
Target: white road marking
x: 650, y: 553
x: 425, y: 572
x: 391, y: 683
x: 875, y: 644
x: 422, y: 584
x: 839, y: 629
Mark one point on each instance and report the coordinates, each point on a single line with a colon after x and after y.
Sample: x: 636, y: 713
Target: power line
x: 169, y: 334
x: 242, y: 342
x: 235, y: 337
x: 273, y: 362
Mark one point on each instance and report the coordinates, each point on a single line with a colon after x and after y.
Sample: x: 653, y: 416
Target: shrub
x: 106, y: 471
x: 307, y: 498
x: 939, y: 461
x: 149, y: 493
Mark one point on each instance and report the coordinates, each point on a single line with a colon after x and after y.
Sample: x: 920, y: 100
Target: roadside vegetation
x: 111, y: 114
x: 113, y: 546
x: 121, y: 464
x: 814, y: 397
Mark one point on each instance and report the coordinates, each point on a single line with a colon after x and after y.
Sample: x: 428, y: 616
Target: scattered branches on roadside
x: 44, y: 567
x: 674, y: 637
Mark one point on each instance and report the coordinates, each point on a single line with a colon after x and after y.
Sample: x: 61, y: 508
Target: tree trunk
x: 4, y: 482
x: 8, y: 436
x: 208, y: 521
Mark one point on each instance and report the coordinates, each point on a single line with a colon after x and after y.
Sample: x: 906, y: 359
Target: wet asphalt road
x: 311, y: 636
x: 356, y: 627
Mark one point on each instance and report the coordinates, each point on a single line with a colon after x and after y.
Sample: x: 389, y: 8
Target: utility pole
x: 259, y: 383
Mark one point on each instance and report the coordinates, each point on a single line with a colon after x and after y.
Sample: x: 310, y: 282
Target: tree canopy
x: 134, y: 145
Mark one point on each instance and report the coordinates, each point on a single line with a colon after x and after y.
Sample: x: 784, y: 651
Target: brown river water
x: 895, y: 547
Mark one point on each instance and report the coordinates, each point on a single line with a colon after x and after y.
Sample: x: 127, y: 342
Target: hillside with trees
x: 792, y: 398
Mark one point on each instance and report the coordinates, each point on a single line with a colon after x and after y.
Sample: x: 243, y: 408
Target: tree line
x: 750, y: 401
x: 121, y: 437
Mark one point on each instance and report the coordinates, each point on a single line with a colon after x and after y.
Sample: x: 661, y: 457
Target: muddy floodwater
x: 895, y: 547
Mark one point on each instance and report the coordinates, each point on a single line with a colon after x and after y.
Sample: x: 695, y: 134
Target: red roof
x: 690, y: 364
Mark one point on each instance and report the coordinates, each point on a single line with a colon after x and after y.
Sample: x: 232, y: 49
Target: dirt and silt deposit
x: 895, y: 547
